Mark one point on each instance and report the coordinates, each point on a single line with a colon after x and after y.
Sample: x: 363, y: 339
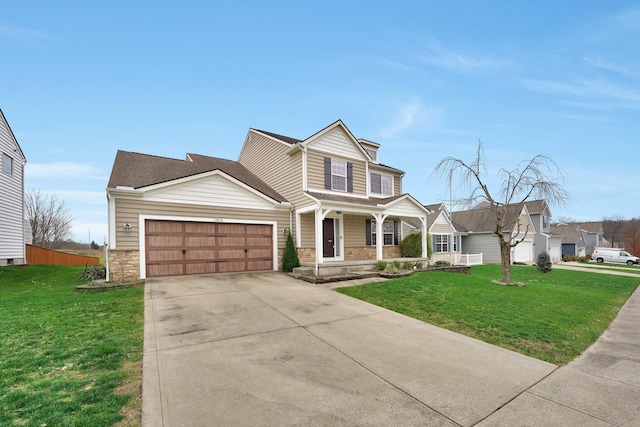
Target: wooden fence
x: 38, y: 255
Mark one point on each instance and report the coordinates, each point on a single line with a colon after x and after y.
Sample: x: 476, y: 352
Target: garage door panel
x: 164, y: 241
x: 199, y: 241
x: 200, y: 227
x: 231, y: 266
x: 164, y: 255
x: 177, y: 248
x: 164, y: 227
x: 258, y: 253
x: 231, y: 228
x: 164, y: 270
x: 232, y: 241
x: 201, y: 268
x: 259, y: 265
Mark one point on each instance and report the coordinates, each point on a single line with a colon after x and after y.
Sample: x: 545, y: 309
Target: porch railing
x: 470, y: 259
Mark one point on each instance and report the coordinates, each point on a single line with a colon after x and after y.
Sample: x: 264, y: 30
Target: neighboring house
x: 579, y: 238
x: 347, y: 205
x: 477, y: 226
x: 541, y: 218
x: 208, y: 215
x: 446, y: 241
x: 12, y: 223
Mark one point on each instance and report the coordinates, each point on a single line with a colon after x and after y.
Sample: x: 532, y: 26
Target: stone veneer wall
x: 306, y: 254
x: 124, y: 265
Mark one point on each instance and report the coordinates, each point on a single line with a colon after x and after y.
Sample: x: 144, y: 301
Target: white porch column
x: 425, y: 253
x: 320, y: 216
x: 379, y: 236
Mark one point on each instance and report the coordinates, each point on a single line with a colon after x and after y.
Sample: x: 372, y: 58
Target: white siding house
x: 12, y: 231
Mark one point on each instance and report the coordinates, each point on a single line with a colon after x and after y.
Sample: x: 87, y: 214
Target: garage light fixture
x: 127, y: 228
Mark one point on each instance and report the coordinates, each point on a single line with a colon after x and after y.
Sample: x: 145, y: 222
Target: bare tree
x: 48, y: 217
x: 613, y: 229
x: 537, y: 178
x: 632, y: 236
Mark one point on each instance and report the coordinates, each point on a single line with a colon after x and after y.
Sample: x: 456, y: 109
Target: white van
x: 614, y: 255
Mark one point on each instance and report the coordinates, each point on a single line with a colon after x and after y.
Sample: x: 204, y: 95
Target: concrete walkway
x: 265, y: 349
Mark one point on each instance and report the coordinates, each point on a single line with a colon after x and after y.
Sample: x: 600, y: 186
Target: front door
x: 328, y: 237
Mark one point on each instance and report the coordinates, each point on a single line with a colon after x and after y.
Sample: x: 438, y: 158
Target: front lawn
x: 68, y: 357
x: 555, y: 317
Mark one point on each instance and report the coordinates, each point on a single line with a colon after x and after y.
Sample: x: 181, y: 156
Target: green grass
x: 68, y: 358
x: 555, y: 317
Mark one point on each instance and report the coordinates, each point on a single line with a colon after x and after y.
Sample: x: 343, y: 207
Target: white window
x: 338, y: 175
x: 381, y: 184
x: 441, y: 243
x: 7, y: 164
x: 372, y: 153
x: 388, y: 233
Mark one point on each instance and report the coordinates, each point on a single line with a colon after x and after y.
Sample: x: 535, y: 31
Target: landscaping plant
x: 544, y: 263
x: 290, y: 258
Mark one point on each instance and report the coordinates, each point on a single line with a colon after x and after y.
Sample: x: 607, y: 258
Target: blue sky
x: 425, y: 79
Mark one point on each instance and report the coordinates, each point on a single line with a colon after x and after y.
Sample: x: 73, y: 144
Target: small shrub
x: 584, y: 258
x: 290, y: 258
x: 396, y: 264
x: 407, y: 265
x: 418, y: 266
x: 393, y: 269
x: 439, y: 264
x: 381, y: 265
x: 411, y: 246
x: 544, y: 262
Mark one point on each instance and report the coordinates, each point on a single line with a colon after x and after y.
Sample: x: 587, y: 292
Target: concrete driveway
x: 266, y: 349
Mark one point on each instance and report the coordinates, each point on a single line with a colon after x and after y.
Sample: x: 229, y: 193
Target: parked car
x: 614, y: 255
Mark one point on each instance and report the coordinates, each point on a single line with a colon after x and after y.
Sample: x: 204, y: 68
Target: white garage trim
x: 142, y: 227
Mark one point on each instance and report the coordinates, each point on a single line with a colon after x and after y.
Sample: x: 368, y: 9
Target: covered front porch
x: 349, y: 267
x: 339, y: 234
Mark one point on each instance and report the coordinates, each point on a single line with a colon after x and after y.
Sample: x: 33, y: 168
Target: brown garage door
x: 180, y: 247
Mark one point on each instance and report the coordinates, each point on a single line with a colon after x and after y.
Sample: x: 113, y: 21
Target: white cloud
x: 603, y: 64
x: 464, y: 63
x: 587, y: 88
x: 61, y: 169
x: 410, y: 115
x: 24, y: 34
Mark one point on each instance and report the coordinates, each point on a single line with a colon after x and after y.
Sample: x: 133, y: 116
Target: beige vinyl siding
x: 11, y: 200
x: 315, y: 172
x: 128, y: 211
x: 269, y: 161
x: 337, y: 141
x: 307, y: 230
x: 441, y: 229
x: 354, y: 230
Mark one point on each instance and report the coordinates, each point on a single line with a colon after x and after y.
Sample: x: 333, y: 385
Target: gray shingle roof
x: 138, y: 170
x: 287, y: 139
x: 353, y: 200
x: 483, y: 219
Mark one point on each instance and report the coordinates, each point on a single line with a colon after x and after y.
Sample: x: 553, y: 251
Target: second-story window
x: 7, y: 164
x: 381, y: 184
x: 338, y: 175
x: 372, y: 153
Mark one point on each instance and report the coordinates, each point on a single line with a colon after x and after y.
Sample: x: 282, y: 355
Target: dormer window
x: 373, y: 153
x: 381, y: 184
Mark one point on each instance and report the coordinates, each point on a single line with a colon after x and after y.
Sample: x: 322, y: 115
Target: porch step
x: 303, y: 271
x: 354, y: 269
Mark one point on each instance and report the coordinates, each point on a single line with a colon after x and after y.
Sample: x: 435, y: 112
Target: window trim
x: 339, y: 163
x: 373, y: 153
x: 383, y: 177
x: 385, y: 234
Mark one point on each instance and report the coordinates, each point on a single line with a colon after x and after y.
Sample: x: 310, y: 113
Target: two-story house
x: 208, y: 215
x: 12, y: 222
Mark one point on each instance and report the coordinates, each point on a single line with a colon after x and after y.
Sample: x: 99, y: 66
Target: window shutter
x: 368, y: 231
x: 327, y: 172
x: 449, y: 242
x: 435, y: 243
x: 350, y: 177
x: 395, y: 233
